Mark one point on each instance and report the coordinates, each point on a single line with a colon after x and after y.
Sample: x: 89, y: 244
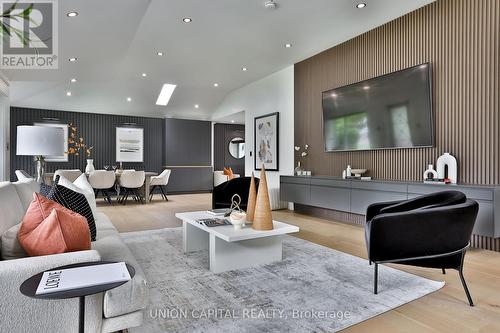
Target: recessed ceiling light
x: 232, y: 121
x: 72, y: 14
x: 366, y: 87
x: 244, y: 69
x: 129, y: 99
x: 361, y: 5
x: 288, y: 45
x: 73, y: 80
x: 166, y: 92
x: 216, y: 85
x: 187, y: 20
x: 73, y: 59
x: 196, y: 106
x: 68, y: 93
x: 159, y: 53
x: 144, y: 74
x: 334, y: 95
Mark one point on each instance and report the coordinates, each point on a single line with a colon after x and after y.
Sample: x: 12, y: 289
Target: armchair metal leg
x: 375, y: 280
x: 464, y: 284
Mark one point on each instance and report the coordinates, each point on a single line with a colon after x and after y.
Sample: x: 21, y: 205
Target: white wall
x: 274, y: 93
x: 4, y: 128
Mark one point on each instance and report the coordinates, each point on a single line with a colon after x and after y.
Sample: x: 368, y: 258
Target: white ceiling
x: 117, y: 40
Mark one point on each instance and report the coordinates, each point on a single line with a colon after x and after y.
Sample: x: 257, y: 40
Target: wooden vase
x: 252, y: 197
x: 263, y: 218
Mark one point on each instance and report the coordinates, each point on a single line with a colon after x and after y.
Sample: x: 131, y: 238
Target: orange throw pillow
x: 50, y: 228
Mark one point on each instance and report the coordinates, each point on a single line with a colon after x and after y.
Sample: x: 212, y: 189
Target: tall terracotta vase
x: 252, y: 197
x: 263, y: 219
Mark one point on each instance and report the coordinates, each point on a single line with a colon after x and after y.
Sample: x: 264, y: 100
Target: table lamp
x: 40, y: 141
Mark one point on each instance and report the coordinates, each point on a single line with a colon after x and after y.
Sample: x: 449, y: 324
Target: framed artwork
x: 266, y: 141
x: 129, y: 144
x: 64, y: 157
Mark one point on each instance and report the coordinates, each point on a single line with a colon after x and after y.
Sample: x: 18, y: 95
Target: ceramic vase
x: 430, y: 172
x: 447, y: 167
x: 90, y: 166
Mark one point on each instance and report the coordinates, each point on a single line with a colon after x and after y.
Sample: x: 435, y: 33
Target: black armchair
x: 222, y: 194
x: 429, y: 231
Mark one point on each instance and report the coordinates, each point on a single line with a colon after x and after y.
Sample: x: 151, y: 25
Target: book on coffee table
x: 214, y: 222
x: 82, y: 277
x: 218, y: 211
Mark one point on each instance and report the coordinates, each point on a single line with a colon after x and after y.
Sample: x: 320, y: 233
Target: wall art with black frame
x: 266, y: 141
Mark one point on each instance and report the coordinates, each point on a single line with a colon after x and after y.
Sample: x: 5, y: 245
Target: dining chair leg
x: 163, y: 193
x: 151, y: 192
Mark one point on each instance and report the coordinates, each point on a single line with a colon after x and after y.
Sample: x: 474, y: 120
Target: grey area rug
x: 314, y: 289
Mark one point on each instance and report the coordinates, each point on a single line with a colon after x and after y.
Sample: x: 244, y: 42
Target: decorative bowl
x: 358, y: 172
x: 238, y: 219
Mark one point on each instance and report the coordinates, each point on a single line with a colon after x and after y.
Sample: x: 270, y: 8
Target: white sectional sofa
x: 114, y: 310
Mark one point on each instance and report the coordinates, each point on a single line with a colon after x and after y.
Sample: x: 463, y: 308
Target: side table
x: 29, y: 287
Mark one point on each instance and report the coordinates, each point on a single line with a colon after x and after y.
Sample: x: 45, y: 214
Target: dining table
x: 49, y: 179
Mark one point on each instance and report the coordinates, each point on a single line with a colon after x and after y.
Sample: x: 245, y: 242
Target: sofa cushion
x: 25, y: 190
x: 11, y: 208
x: 49, y: 228
x: 76, y: 202
x: 11, y: 248
x: 131, y: 296
x: 103, y: 222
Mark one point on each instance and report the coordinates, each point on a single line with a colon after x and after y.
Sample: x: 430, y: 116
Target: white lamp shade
x: 40, y: 140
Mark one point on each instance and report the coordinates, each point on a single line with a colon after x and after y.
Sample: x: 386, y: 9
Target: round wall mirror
x: 237, y: 148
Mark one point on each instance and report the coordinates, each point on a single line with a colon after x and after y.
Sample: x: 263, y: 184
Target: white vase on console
x: 90, y: 166
x: 430, y: 171
x: 447, y: 167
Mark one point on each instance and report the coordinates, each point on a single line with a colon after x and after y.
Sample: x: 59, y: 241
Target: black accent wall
x: 188, y: 153
x: 223, y: 134
x: 99, y: 131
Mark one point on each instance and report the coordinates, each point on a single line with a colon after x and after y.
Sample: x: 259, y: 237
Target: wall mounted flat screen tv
x: 389, y: 111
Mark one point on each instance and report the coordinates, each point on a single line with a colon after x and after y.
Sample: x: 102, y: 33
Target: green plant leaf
x: 26, y: 13
x: 9, y: 10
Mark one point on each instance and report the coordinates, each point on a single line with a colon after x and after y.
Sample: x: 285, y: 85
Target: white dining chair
x: 102, y: 181
x: 159, y: 181
x: 69, y: 174
x: 130, y: 182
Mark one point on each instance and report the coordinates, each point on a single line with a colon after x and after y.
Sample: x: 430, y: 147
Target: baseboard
x: 477, y: 241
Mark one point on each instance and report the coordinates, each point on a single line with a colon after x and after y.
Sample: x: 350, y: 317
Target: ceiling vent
x: 271, y: 4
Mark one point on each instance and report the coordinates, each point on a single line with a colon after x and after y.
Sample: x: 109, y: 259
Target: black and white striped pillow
x: 76, y: 202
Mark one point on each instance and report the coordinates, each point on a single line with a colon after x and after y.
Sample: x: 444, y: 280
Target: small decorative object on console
x: 358, y: 172
x: 430, y: 173
x: 348, y: 171
x: 447, y: 168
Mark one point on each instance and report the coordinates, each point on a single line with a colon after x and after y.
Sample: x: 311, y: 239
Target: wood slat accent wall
x: 460, y: 38
x: 98, y: 131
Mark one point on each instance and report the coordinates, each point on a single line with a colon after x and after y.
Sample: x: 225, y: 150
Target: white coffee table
x: 233, y: 249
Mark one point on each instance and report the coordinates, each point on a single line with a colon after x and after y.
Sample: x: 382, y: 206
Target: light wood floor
x: 446, y: 310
